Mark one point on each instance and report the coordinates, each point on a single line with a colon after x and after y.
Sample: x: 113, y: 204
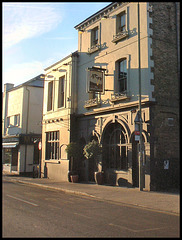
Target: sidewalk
x: 154, y: 201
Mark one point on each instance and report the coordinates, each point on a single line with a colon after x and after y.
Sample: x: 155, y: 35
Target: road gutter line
x: 98, y: 198
x: 135, y: 230
x: 33, y: 204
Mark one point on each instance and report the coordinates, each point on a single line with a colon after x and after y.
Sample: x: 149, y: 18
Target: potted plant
x: 73, y: 150
x: 92, y: 151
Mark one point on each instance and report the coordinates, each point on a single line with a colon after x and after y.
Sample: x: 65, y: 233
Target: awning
x: 10, y: 145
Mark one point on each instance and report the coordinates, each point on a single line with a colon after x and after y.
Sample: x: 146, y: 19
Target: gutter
x: 78, y: 26
x: 27, y: 127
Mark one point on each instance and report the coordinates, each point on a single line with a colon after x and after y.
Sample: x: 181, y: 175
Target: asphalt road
x: 30, y: 211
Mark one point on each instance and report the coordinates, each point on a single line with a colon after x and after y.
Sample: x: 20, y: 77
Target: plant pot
x: 74, y: 178
x: 99, y: 177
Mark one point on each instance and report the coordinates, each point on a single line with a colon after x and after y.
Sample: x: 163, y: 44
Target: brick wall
x: 165, y: 113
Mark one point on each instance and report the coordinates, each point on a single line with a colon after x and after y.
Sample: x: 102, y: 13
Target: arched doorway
x: 115, y: 147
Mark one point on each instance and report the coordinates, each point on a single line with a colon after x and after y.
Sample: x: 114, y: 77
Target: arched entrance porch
x: 116, y: 162
x: 115, y: 146
x: 120, y: 154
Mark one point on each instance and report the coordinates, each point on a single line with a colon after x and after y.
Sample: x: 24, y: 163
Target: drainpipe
x: 177, y: 40
x: 27, y: 127
x: 141, y: 170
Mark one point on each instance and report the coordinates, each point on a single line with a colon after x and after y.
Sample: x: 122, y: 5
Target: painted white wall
x: 112, y: 52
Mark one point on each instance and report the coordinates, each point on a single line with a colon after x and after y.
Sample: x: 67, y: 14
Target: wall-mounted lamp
x: 62, y: 70
x: 49, y: 76
x: 59, y: 70
x: 150, y: 8
x: 80, y: 31
x: 104, y: 17
x: 133, y: 110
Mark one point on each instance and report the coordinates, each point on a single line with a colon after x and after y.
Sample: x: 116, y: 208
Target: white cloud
x: 20, y: 73
x: 60, y: 38
x: 27, y: 20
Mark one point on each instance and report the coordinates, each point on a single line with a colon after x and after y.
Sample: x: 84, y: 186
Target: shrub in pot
x: 74, y: 152
x: 92, y: 151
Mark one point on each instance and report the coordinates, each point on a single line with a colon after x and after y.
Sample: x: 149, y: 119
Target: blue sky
x: 36, y: 35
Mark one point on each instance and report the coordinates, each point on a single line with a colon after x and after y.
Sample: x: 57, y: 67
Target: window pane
x: 122, y: 76
x: 48, y: 150
x: 50, y: 92
x: 52, y: 150
x: 55, y: 135
x: 94, y: 36
x: 8, y: 121
x: 117, y: 150
x: 123, y: 158
x: 123, y: 23
x: 49, y: 136
x: 123, y: 20
x: 61, y: 92
x: 15, y: 120
x: 52, y: 145
x: 56, y: 150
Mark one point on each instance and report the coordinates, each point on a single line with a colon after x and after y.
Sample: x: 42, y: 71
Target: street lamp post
x: 141, y: 172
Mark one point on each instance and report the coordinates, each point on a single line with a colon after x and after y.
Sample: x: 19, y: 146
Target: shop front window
x: 7, y: 156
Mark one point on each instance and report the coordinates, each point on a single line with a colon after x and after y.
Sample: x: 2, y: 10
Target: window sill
x: 118, y: 171
x: 13, y: 126
x: 123, y: 171
x: 52, y: 161
x: 119, y: 97
x: 119, y: 36
x: 93, y: 49
x: 48, y: 111
x: 92, y: 103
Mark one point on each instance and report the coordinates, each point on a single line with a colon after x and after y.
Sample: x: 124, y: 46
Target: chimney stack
x: 8, y: 86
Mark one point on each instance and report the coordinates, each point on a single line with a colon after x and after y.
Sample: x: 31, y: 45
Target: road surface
x: 30, y: 211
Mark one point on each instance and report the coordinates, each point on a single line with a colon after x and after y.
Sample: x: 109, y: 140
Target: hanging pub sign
x: 95, y: 79
x: 29, y: 138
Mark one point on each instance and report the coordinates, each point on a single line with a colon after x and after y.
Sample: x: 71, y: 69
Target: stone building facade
x: 109, y: 116
x: 102, y: 96
x: 60, y: 103
x: 21, y: 126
